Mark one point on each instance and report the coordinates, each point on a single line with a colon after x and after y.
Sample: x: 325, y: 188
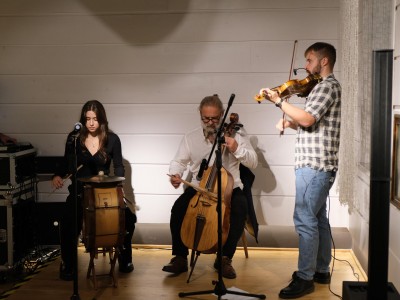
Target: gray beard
x: 209, y: 132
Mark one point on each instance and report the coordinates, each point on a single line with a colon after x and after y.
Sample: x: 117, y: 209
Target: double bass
x: 199, y: 229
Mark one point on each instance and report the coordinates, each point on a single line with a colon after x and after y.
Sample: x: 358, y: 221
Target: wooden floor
x: 265, y: 271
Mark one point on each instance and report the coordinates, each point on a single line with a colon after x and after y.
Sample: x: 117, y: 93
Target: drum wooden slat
x: 104, y: 216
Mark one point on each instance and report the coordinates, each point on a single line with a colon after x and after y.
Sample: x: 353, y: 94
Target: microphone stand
x: 75, y: 294
x: 220, y: 288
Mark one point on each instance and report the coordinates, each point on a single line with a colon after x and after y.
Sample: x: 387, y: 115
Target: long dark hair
x: 98, y: 109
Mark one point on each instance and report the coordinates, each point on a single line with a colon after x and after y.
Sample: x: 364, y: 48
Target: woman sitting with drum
x: 96, y: 147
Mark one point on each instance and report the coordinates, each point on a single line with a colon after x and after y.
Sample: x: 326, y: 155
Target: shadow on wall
x: 264, y: 181
x: 140, y: 21
x: 128, y: 188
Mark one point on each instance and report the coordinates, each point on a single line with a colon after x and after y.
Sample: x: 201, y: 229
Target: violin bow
x: 290, y: 77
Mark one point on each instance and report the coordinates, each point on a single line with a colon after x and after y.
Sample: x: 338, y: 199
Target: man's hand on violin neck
x: 270, y: 95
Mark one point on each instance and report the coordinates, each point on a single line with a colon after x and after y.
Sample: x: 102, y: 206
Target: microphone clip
x: 295, y: 70
x: 203, y: 167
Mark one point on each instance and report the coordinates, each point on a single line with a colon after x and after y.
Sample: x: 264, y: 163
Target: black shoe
x: 227, y: 270
x: 177, y: 265
x: 66, y: 272
x: 126, y: 268
x: 323, y: 278
x: 297, y: 288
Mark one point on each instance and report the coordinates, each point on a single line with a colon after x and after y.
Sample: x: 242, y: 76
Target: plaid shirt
x: 317, y: 146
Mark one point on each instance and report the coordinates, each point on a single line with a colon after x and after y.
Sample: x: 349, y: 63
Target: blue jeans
x: 311, y: 221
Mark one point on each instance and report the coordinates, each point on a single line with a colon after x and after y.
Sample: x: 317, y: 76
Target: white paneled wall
x: 150, y: 63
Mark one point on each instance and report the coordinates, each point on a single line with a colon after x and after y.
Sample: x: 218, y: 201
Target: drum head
x: 102, y: 179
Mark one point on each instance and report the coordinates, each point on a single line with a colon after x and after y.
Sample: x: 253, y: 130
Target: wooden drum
x: 103, y: 215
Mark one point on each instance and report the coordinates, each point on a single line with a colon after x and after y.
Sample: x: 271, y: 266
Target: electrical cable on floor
x: 356, y: 275
x: 27, y: 268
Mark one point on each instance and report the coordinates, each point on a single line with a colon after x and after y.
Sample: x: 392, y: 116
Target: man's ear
x: 324, y: 61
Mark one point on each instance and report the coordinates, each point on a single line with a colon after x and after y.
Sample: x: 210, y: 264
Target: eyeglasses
x: 212, y: 119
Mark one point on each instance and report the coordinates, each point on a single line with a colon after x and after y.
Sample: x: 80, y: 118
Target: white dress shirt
x: 194, y: 147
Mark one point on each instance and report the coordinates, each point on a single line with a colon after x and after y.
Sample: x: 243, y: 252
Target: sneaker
x: 126, y: 268
x: 227, y: 270
x: 177, y: 265
x: 297, y: 288
x: 323, y: 278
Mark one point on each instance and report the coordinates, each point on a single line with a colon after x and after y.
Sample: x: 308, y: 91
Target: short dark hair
x: 323, y: 50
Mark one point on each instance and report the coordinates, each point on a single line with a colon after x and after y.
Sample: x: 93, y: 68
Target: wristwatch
x: 279, y: 103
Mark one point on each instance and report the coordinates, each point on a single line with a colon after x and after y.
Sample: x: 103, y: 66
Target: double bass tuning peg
x: 238, y: 126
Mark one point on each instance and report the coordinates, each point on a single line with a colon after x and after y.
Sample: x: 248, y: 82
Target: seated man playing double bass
x: 194, y: 147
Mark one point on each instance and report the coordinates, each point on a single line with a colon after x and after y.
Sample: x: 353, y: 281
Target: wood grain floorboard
x: 266, y: 271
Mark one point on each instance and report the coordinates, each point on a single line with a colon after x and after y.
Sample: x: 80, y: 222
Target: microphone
x: 295, y: 70
x: 203, y: 167
x: 77, y: 127
x: 74, y: 134
x: 231, y: 99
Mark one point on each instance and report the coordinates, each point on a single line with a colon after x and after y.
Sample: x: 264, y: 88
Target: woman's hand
x: 57, y: 182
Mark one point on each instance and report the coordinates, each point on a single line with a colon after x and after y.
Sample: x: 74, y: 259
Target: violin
x: 297, y: 87
x: 199, y: 229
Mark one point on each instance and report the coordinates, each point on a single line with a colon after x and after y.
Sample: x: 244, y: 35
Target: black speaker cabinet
x: 378, y: 287
x: 354, y: 290
x: 16, y: 231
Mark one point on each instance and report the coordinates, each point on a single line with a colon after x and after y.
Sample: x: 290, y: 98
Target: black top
x: 92, y: 164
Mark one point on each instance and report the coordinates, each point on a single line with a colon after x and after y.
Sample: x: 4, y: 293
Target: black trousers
x: 69, y: 238
x: 237, y: 222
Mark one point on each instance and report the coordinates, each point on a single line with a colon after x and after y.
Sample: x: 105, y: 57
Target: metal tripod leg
x: 193, y: 261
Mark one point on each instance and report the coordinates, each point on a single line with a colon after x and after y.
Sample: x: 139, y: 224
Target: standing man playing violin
x: 194, y: 147
x: 316, y: 163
